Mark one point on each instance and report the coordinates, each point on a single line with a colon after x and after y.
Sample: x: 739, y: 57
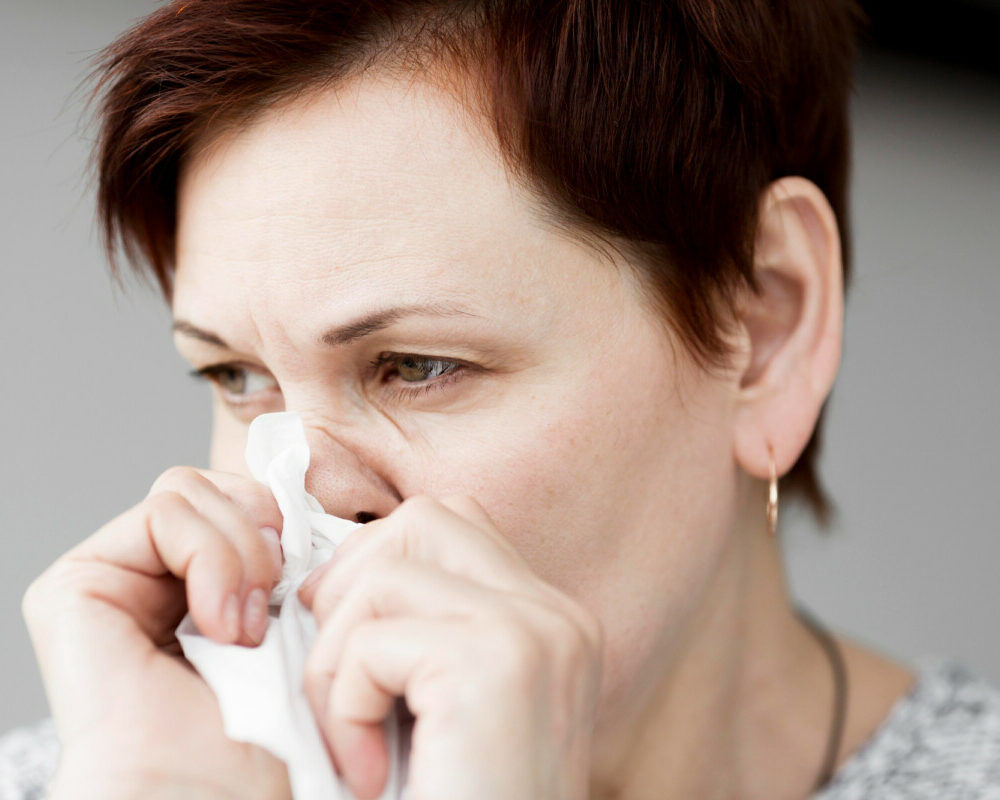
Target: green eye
x: 405, y: 376
x: 235, y: 380
x: 414, y: 369
x: 232, y: 380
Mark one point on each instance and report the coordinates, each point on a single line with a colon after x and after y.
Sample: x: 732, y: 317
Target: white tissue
x: 260, y: 689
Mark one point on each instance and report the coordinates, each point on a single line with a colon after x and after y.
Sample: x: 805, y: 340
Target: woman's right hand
x: 133, y: 718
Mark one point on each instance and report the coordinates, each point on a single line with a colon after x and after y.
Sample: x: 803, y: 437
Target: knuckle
x: 32, y: 599
x: 58, y: 589
x: 405, y: 528
x: 258, y: 502
x: 365, y: 587
x: 174, y: 479
x: 164, y: 505
x: 254, y: 500
x: 327, y: 598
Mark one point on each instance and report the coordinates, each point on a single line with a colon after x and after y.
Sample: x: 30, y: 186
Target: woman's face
x: 367, y: 261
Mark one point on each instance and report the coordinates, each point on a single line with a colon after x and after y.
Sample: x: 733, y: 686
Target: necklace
x: 839, y: 669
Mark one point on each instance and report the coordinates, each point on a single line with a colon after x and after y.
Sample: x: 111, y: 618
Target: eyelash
x: 455, y: 370
x: 409, y: 389
x: 214, y: 373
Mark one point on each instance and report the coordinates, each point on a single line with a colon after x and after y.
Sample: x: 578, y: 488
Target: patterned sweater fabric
x: 940, y: 742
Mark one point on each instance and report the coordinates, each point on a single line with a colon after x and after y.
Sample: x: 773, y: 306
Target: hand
x: 133, y: 718
x: 501, y: 671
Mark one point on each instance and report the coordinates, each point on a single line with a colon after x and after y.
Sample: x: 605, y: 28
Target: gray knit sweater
x: 939, y: 742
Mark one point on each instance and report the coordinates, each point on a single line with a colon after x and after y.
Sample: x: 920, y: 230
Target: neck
x: 741, y: 706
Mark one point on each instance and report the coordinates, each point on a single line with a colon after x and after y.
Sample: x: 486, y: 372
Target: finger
x: 273, y: 541
x: 401, y: 588
x: 525, y: 626
x: 52, y: 610
x: 166, y: 535
x: 257, y: 546
x: 231, y: 516
x: 254, y: 498
x: 422, y: 529
x: 381, y: 659
x: 155, y: 605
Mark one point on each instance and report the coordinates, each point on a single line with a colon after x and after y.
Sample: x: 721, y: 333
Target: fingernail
x: 231, y: 617
x: 255, y: 615
x: 273, y: 541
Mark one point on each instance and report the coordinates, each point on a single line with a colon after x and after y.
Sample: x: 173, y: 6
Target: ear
x: 792, y: 328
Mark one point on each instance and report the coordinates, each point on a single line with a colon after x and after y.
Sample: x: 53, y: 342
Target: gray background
x: 96, y: 404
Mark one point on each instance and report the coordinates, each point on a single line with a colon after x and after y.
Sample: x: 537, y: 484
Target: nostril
x: 365, y: 516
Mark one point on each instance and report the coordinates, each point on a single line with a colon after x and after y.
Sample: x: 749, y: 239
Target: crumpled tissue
x: 260, y: 689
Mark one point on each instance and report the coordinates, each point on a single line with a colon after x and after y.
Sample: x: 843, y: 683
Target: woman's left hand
x: 500, y: 669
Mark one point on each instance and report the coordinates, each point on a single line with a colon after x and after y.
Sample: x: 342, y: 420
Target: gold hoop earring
x: 772, y: 494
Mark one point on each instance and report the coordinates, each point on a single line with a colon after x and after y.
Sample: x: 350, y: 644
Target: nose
x: 342, y: 479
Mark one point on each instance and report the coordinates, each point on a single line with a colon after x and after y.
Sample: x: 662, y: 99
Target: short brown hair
x: 656, y: 124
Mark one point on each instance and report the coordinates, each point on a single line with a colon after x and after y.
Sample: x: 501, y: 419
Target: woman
x: 557, y: 289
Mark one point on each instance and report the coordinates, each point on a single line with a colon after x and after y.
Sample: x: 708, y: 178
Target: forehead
x: 379, y: 192
x: 377, y: 170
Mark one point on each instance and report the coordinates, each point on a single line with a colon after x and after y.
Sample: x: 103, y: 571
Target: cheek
x: 604, y: 496
x: 570, y: 474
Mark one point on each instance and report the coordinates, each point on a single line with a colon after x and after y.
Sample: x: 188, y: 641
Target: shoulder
x: 28, y: 761
x: 942, y: 740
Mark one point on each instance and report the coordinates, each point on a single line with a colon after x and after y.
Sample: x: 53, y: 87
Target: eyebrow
x: 188, y: 329
x: 379, y: 320
x: 343, y: 334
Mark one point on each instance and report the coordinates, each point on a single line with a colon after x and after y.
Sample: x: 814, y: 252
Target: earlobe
x: 792, y: 326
